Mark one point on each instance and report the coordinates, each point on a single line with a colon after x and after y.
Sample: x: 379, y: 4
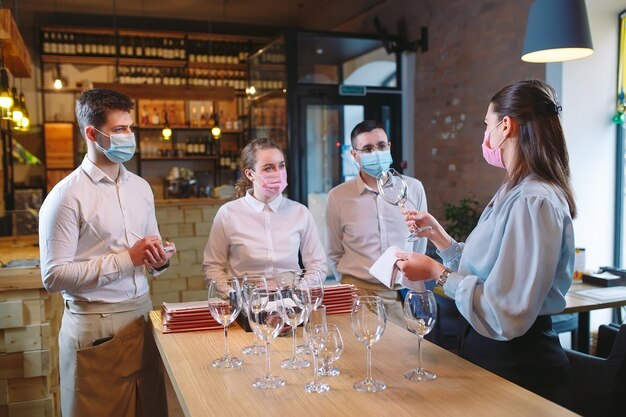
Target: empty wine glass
x: 225, y: 305
x: 324, y: 339
x: 296, y: 297
x: 315, y: 282
x: 393, y: 188
x: 420, y: 314
x: 267, y: 318
x: 330, y: 352
x: 249, y: 283
x: 368, y: 324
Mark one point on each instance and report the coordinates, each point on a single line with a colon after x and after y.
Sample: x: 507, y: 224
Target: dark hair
x: 93, y: 106
x: 541, y: 147
x: 248, y: 161
x: 364, y: 127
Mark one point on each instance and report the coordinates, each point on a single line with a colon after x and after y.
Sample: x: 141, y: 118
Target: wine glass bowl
x: 420, y: 314
x: 368, y: 324
x: 267, y: 318
x: 330, y: 352
x: 393, y: 188
x: 225, y: 305
x: 249, y: 283
x: 297, y: 298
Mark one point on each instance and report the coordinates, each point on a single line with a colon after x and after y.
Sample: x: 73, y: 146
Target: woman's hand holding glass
x: 267, y: 318
x: 393, y: 188
x: 249, y: 283
x: 420, y: 314
x: 423, y: 224
x: 368, y: 324
x: 225, y: 305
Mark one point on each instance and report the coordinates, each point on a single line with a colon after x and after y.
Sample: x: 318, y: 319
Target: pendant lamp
x: 557, y: 30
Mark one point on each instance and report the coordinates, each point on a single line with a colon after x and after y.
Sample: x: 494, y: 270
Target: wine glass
x: 393, y: 188
x: 368, y: 324
x: 331, y: 351
x: 324, y: 339
x: 225, y: 305
x: 420, y: 314
x: 315, y: 282
x: 249, y: 283
x: 267, y: 318
x: 296, y: 297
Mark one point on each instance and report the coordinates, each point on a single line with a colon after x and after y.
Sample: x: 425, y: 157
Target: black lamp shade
x: 557, y: 30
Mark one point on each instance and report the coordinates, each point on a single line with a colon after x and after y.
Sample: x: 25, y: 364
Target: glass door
x: 325, y: 144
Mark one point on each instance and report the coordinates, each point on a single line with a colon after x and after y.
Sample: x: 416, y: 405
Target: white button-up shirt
x: 360, y: 226
x: 251, y: 237
x: 87, y: 225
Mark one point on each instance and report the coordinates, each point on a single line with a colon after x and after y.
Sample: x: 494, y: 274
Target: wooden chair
x: 599, y: 384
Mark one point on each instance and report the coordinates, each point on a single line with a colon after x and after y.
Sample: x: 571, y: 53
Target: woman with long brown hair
x: 514, y: 269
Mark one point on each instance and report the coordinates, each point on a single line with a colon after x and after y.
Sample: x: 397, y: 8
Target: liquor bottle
x: 155, y: 119
x: 201, y: 146
x: 144, y: 117
x: 203, y: 117
x: 189, y: 148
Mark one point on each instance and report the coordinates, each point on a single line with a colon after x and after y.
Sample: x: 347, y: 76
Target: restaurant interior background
x: 473, y: 49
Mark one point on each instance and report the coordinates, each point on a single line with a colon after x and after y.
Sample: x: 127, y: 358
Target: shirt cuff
x: 452, y: 283
x: 125, y: 264
x: 451, y: 251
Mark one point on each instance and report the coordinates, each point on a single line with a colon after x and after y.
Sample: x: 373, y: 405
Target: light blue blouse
x: 518, y: 262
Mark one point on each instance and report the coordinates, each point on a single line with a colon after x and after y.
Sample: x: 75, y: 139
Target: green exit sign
x: 352, y: 90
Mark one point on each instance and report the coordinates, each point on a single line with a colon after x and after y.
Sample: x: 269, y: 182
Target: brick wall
x: 187, y: 224
x: 474, y: 50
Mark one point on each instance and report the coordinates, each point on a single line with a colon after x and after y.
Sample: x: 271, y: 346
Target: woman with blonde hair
x: 262, y: 232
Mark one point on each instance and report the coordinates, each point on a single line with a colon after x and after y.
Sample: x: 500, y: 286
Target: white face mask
x: 121, y: 148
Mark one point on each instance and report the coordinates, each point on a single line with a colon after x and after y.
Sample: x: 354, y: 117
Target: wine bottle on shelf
x: 189, y: 148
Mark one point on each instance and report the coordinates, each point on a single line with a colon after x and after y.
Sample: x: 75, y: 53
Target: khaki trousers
x: 391, y: 298
x: 120, y: 377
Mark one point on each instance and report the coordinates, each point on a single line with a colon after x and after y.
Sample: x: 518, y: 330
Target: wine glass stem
x: 316, y: 378
x: 419, y: 352
x: 368, y: 359
x: 226, y: 352
x: 293, y: 329
x: 267, y: 359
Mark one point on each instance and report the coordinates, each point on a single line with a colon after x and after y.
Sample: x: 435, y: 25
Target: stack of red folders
x: 338, y: 298
x: 186, y: 317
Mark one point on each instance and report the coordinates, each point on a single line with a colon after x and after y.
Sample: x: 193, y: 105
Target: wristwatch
x: 162, y: 267
x: 443, y: 277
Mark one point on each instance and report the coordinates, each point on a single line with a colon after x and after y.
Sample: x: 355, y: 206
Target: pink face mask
x: 272, y: 184
x: 493, y: 156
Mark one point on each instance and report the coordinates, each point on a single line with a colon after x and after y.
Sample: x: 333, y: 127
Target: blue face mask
x: 122, y: 147
x: 376, y: 162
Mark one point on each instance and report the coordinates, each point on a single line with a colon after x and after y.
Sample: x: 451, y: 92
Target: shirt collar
x: 362, y: 186
x: 97, y: 175
x: 258, y: 206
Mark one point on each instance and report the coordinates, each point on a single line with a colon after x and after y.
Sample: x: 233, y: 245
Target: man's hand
x: 156, y: 257
x: 138, y: 253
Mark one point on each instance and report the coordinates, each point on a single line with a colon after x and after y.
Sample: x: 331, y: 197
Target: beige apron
x: 391, y: 298
x: 120, y: 377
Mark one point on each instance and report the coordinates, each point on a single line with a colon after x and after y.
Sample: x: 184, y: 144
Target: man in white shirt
x: 360, y: 225
x: 98, y: 235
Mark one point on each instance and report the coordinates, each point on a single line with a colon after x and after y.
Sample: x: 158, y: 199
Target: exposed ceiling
x: 307, y: 14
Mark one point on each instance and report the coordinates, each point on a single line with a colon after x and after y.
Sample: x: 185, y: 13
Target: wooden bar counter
x: 30, y: 318
x: 461, y: 388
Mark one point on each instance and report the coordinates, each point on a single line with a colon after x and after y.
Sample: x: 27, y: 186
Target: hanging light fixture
x: 16, y: 110
x: 557, y: 30
x: 6, y: 98
x: 59, y: 80
x: 24, y: 122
